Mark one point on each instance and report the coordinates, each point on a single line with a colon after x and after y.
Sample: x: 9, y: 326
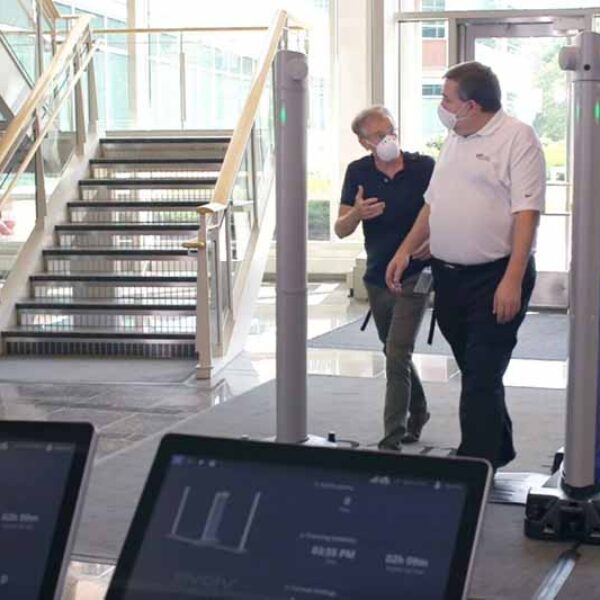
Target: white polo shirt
x: 478, y: 184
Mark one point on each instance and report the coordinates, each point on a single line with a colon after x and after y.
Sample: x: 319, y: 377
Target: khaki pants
x: 398, y: 318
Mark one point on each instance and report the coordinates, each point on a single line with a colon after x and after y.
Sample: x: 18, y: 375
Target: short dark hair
x: 478, y: 83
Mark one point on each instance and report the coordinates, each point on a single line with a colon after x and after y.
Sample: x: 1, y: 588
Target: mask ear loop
x: 463, y: 117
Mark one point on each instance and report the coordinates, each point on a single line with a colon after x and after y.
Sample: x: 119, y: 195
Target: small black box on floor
x: 552, y: 515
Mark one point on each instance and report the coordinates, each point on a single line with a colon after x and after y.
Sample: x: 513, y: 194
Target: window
x: 466, y: 5
x: 432, y: 89
x: 434, y: 30
x: 433, y: 5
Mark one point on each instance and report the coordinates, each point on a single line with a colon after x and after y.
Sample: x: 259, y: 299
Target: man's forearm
x: 418, y: 235
x: 346, y: 224
x: 525, y: 226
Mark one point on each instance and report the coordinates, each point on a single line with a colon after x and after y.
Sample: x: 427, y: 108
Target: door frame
x: 552, y: 287
x: 464, y: 27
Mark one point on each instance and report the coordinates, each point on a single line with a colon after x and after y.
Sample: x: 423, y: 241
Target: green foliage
x: 551, y: 122
x: 318, y: 220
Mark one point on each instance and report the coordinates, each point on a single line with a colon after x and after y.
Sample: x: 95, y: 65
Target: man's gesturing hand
x: 367, y: 208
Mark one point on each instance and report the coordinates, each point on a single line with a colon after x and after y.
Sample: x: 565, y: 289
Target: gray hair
x: 364, y: 115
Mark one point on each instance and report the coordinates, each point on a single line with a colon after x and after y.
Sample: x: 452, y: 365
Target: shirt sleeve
x: 349, y: 188
x: 527, y: 172
x: 429, y: 195
x: 429, y: 166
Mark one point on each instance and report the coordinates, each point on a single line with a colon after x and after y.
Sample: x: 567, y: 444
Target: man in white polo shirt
x: 481, y: 214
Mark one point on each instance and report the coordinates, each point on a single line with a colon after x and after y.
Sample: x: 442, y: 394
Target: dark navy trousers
x: 482, y: 347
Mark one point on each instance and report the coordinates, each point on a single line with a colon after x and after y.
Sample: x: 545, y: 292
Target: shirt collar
x: 493, y: 124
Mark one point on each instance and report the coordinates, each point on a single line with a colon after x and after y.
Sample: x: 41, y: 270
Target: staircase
x: 118, y: 282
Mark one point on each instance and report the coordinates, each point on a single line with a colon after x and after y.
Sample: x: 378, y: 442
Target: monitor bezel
x: 474, y: 474
x: 82, y: 436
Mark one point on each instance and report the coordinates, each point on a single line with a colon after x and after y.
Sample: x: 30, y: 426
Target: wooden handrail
x: 17, y: 128
x: 50, y: 10
x: 215, y: 29
x: 180, y: 29
x: 46, y: 128
x: 241, y: 135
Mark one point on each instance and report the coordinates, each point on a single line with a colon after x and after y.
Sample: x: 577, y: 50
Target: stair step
x: 150, y: 229
x: 131, y: 253
x: 147, y: 190
x: 164, y: 147
x: 155, y: 168
x: 137, y: 204
x: 116, y: 278
x: 109, y: 286
x: 91, y: 315
x: 133, y: 140
x: 163, y: 262
x: 108, y: 304
x: 106, y: 333
x: 125, y: 235
x: 137, y: 212
x: 97, y: 342
x: 150, y: 182
x: 111, y: 162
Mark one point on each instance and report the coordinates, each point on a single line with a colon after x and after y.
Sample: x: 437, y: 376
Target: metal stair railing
x: 242, y: 191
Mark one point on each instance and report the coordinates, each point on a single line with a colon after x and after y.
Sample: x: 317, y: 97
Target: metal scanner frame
x: 568, y: 506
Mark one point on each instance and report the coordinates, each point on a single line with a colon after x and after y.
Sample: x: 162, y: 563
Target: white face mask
x: 448, y: 119
x: 388, y: 149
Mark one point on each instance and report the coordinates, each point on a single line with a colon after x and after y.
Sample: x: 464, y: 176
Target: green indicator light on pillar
x: 283, y: 115
x: 597, y: 111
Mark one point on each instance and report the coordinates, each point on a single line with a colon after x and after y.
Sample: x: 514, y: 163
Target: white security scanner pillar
x: 568, y: 506
x: 291, y: 113
x: 581, y: 467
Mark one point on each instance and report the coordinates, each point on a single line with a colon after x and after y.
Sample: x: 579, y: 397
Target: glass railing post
x: 92, y: 92
x: 40, y: 177
x: 79, y: 110
x: 39, y: 37
x: 228, y: 260
x: 203, y: 331
x: 218, y: 279
x: 182, y: 83
x: 252, y: 169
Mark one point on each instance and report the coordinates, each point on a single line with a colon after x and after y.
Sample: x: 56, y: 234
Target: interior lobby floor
x: 133, y: 403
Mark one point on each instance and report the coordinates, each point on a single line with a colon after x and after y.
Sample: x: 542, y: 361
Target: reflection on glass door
x: 424, y: 60
x: 535, y: 90
x: 524, y: 55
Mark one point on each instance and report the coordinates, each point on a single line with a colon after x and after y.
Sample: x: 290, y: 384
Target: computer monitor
x: 224, y: 518
x: 43, y: 474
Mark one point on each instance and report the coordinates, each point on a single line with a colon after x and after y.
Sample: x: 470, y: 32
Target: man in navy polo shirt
x: 384, y: 191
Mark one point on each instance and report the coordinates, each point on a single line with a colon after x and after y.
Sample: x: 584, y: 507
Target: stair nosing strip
x: 114, y: 251
x: 84, y: 334
x: 105, y: 307
x: 100, y: 278
x: 136, y: 203
x: 148, y: 181
x: 166, y: 140
x: 126, y: 226
x: 156, y: 161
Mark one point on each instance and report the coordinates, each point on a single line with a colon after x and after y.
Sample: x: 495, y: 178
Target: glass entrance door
x: 535, y: 90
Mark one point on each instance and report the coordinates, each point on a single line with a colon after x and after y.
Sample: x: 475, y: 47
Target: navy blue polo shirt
x: 403, y: 197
